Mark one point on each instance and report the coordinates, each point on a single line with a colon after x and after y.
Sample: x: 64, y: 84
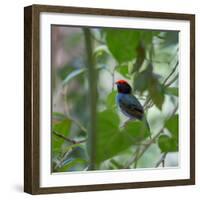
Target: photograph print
x: 114, y: 99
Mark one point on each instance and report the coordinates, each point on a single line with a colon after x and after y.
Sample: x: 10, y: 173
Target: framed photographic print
x: 109, y: 99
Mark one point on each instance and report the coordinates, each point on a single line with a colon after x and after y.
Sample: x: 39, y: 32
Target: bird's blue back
x: 129, y: 105
x: 128, y: 99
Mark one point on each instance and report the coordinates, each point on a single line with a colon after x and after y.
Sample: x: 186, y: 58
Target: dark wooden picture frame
x: 32, y: 97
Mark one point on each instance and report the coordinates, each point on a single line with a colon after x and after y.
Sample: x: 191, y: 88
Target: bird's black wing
x: 131, y: 106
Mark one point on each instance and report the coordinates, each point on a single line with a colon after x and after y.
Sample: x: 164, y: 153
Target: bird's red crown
x: 123, y: 87
x: 121, y: 82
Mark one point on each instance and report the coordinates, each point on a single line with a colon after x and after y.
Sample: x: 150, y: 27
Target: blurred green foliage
x: 148, y: 60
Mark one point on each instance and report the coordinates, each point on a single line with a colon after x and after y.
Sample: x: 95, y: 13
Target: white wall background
x: 11, y: 100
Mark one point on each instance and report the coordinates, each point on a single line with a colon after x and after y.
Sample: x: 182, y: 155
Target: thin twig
x: 148, y: 99
x: 68, y: 139
x: 172, y: 81
x: 161, y: 160
x: 170, y: 74
x: 59, y: 164
x: 137, y: 154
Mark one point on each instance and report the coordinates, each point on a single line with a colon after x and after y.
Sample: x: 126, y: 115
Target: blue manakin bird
x: 128, y: 103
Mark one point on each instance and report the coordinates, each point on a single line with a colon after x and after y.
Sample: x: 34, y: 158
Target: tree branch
x: 68, y: 139
x: 92, y: 75
x: 172, y: 81
x: 161, y: 160
x: 170, y: 74
x: 136, y: 156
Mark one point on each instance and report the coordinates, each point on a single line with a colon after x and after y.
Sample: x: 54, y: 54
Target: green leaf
x: 172, y: 91
x: 156, y: 92
x: 148, y: 80
x: 111, y: 140
x: 147, y: 37
x: 109, y: 119
x: 172, y: 125
x: 142, y: 79
x: 110, y: 101
x: 122, y: 43
x: 123, y: 70
x: 167, y: 144
x: 63, y: 127
x: 56, y: 144
x: 137, y: 129
x: 73, y: 74
x: 140, y: 57
x: 101, y: 53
